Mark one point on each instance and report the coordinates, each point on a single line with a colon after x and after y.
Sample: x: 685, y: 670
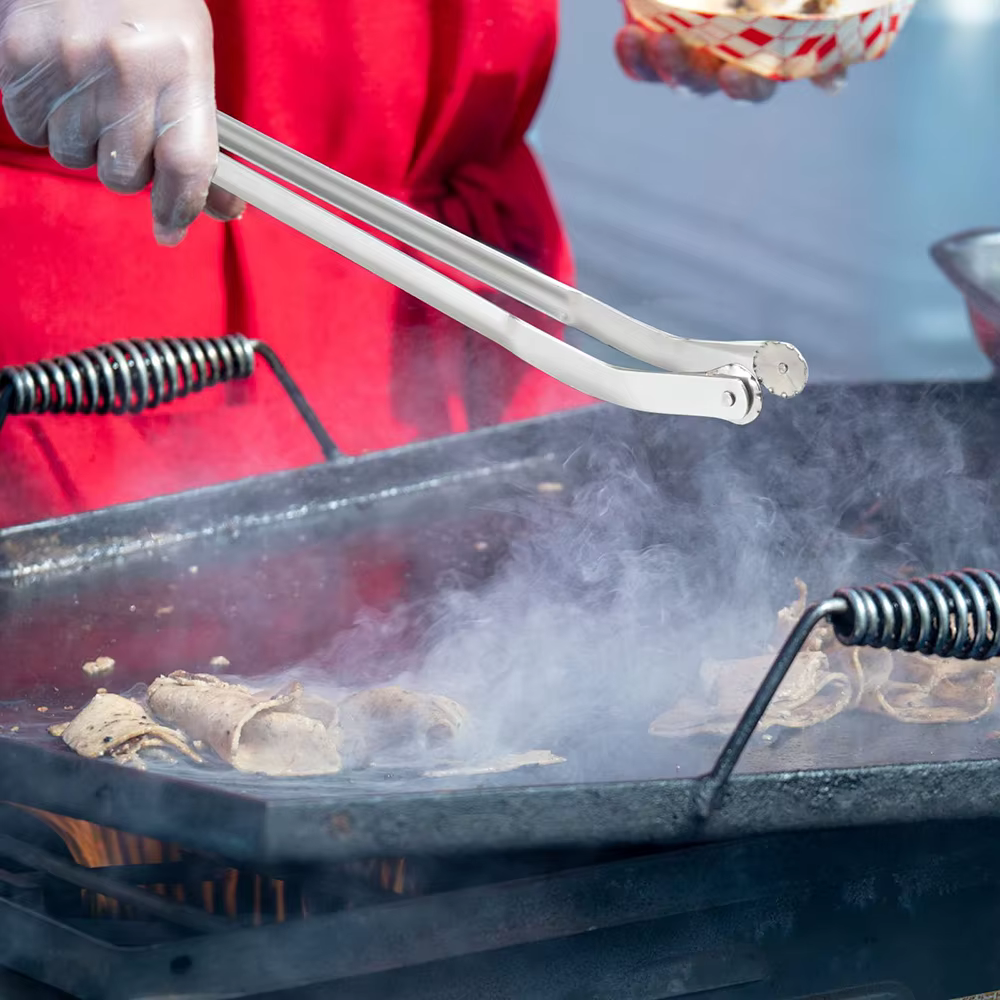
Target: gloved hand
x: 664, y: 58
x: 126, y: 84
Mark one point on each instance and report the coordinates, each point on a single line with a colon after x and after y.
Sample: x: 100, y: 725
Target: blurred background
x: 807, y: 219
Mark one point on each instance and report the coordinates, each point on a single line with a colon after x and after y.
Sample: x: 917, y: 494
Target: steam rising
x: 667, y: 541
x: 676, y: 541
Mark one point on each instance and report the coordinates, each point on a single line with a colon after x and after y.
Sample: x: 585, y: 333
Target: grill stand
x: 781, y: 917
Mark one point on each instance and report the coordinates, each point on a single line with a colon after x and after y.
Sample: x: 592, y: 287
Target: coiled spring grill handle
x: 950, y: 615
x: 130, y: 376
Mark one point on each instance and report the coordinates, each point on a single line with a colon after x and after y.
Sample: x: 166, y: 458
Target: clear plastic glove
x: 664, y: 58
x: 128, y: 85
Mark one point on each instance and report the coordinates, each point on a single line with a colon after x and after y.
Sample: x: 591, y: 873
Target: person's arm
x: 128, y: 85
x: 664, y: 58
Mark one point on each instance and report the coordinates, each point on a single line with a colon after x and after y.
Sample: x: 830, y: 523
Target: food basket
x: 782, y: 39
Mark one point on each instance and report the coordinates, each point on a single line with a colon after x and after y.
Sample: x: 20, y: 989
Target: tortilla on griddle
x: 110, y: 725
x: 391, y: 719
x: 252, y: 732
x: 314, y: 706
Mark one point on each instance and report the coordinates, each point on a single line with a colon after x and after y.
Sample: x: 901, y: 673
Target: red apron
x: 426, y: 100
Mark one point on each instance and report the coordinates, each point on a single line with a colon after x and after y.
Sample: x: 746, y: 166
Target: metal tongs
x: 700, y: 378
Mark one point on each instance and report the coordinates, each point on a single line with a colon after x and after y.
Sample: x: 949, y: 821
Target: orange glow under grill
x: 233, y: 893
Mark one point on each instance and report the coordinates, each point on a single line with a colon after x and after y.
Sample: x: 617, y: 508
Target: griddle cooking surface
x: 844, y: 485
x: 850, y: 740
x: 325, y: 820
x: 19, y: 723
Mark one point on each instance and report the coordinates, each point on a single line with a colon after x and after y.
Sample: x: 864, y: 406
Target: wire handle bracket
x: 130, y: 376
x: 953, y: 615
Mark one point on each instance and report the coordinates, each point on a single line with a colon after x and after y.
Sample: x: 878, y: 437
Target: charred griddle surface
x: 268, y: 571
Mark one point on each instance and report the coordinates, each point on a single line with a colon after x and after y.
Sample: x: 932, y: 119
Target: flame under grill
x: 218, y: 889
x: 695, y: 921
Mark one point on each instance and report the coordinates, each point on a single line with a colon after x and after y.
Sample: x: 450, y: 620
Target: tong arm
x: 778, y: 366
x: 729, y: 393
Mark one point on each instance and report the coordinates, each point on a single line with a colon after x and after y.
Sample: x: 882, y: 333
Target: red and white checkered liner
x: 780, y: 47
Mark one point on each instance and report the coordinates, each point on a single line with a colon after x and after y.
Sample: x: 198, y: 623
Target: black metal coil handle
x: 954, y: 615
x: 127, y: 376
x: 130, y: 376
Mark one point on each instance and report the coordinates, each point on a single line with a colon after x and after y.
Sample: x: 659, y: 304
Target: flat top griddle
x: 864, y: 481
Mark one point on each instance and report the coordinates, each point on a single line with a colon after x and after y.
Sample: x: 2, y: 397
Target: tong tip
x: 780, y: 368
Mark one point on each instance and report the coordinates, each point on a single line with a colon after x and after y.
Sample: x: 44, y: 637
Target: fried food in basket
x: 777, y: 40
x: 826, y: 679
x: 808, y: 7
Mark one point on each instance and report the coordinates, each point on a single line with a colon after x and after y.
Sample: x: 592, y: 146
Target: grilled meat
x: 814, y: 690
x: 910, y: 687
x: 826, y: 679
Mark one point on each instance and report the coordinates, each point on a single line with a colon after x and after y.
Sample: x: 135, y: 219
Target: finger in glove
x: 742, y: 85
x: 184, y: 160
x: 832, y: 82
x: 223, y: 206
x: 127, y: 85
x: 630, y: 48
x: 694, y: 70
